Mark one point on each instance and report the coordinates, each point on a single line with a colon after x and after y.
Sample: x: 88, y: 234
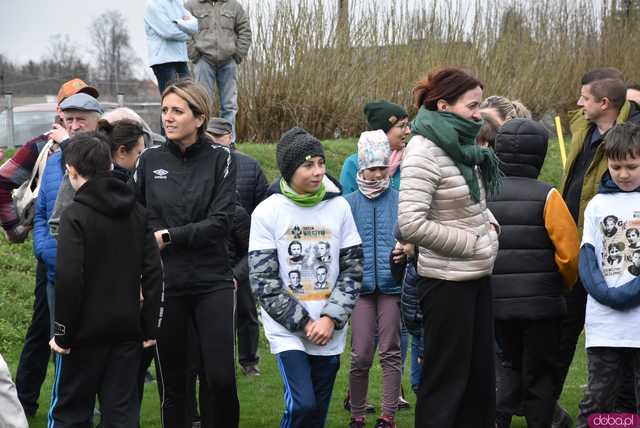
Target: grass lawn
x: 260, y: 398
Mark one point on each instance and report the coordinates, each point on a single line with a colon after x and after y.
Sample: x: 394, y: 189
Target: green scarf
x: 306, y: 200
x: 457, y: 137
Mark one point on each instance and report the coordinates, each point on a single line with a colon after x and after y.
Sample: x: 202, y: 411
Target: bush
x: 300, y: 70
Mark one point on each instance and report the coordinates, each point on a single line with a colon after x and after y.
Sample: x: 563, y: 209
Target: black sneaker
x: 357, y: 423
x: 385, y: 422
x: 403, y: 404
x: 561, y: 418
x: 250, y: 371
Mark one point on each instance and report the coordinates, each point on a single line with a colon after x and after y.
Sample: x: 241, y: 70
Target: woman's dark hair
x: 123, y: 132
x: 445, y: 83
x: 622, y: 141
x: 88, y: 153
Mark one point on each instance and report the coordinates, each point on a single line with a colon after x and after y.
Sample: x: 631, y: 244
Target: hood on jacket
x: 607, y: 185
x: 332, y: 186
x: 521, y: 146
x: 107, y: 195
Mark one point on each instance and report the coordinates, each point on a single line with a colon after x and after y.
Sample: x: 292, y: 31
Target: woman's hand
x: 58, y: 350
x: 321, y: 331
x: 158, y: 235
x: 398, y: 254
x: 148, y: 343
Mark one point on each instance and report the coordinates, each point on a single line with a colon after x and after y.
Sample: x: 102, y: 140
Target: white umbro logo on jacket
x: 160, y: 174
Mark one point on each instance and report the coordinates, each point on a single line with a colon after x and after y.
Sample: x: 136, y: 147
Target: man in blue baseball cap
x: 81, y: 112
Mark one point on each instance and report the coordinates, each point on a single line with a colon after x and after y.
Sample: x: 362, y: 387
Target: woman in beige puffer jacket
x: 443, y: 211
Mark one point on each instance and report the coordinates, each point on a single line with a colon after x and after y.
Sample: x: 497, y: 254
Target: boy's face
x: 296, y: 250
x: 632, y: 236
x: 625, y: 173
x: 295, y: 278
x: 609, y: 224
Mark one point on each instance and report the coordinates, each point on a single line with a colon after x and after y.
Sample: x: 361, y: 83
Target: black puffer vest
x: 526, y: 283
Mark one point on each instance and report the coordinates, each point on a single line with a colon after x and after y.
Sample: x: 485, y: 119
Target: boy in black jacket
x: 105, y: 259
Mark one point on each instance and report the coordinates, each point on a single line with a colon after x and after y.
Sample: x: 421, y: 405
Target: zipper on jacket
x: 375, y: 252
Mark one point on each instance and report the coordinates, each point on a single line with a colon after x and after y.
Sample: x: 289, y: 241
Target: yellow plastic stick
x: 563, y: 154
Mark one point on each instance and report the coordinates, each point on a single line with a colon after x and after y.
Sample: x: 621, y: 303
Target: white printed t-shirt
x: 612, y: 226
x: 308, y: 242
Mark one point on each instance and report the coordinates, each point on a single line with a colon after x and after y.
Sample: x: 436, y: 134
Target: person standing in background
x: 168, y: 26
x: 252, y: 188
x: 222, y: 41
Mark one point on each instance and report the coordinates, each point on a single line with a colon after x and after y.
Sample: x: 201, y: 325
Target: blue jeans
x: 169, y: 72
x: 416, y: 351
x: 225, y: 77
x: 308, y: 383
x: 416, y: 367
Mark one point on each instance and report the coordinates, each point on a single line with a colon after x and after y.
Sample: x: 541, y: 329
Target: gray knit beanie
x: 295, y: 147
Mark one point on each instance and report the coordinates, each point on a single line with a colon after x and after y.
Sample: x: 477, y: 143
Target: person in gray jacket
x: 222, y: 41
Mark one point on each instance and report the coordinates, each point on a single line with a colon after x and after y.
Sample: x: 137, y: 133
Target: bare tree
x: 112, y: 48
x: 62, y: 60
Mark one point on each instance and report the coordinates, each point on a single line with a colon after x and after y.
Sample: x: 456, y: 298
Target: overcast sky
x: 27, y: 25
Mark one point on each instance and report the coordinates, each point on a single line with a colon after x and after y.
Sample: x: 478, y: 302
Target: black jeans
x: 572, y: 326
x: 212, y: 314
x: 108, y: 371
x: 458, y: 376
x: 608, y: 368
x: 32, y: 367
x: 247, y: 325
x: 529, y: 350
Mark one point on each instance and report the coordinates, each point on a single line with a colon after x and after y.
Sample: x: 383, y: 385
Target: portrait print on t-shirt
x: 309, y: 262
x: 620, y: 246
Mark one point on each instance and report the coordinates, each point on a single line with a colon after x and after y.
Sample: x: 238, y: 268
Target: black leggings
x: 212, y: 315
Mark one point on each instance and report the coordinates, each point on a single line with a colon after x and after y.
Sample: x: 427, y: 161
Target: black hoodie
x: 105, y: 258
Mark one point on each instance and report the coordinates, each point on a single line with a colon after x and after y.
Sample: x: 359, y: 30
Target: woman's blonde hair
x: 506, y: 108
x: 196, y: 97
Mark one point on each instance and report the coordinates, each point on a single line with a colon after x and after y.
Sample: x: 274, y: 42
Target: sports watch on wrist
x: 166, y: 237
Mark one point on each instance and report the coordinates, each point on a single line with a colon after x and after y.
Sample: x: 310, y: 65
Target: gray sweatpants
x: 11, y: 413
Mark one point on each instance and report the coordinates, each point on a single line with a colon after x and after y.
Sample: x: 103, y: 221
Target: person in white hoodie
x: 168, y: 26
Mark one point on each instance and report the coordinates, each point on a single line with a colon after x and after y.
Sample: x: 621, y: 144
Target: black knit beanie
x: 296, y: 146
x: 383, y: 115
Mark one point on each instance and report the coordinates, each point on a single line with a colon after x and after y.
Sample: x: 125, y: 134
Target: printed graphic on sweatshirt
x: 620, y: 245
x: 309, y: 262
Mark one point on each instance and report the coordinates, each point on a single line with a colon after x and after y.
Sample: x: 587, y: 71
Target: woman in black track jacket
x: 188, y: 186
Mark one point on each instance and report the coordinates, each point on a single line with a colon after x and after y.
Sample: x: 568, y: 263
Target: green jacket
x: 580, y: 130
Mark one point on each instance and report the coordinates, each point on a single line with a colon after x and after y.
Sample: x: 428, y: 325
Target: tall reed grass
x: 298, y: 72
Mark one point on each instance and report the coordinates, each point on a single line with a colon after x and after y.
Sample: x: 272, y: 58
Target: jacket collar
x: 193, y: 150
x: 607, y: 185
